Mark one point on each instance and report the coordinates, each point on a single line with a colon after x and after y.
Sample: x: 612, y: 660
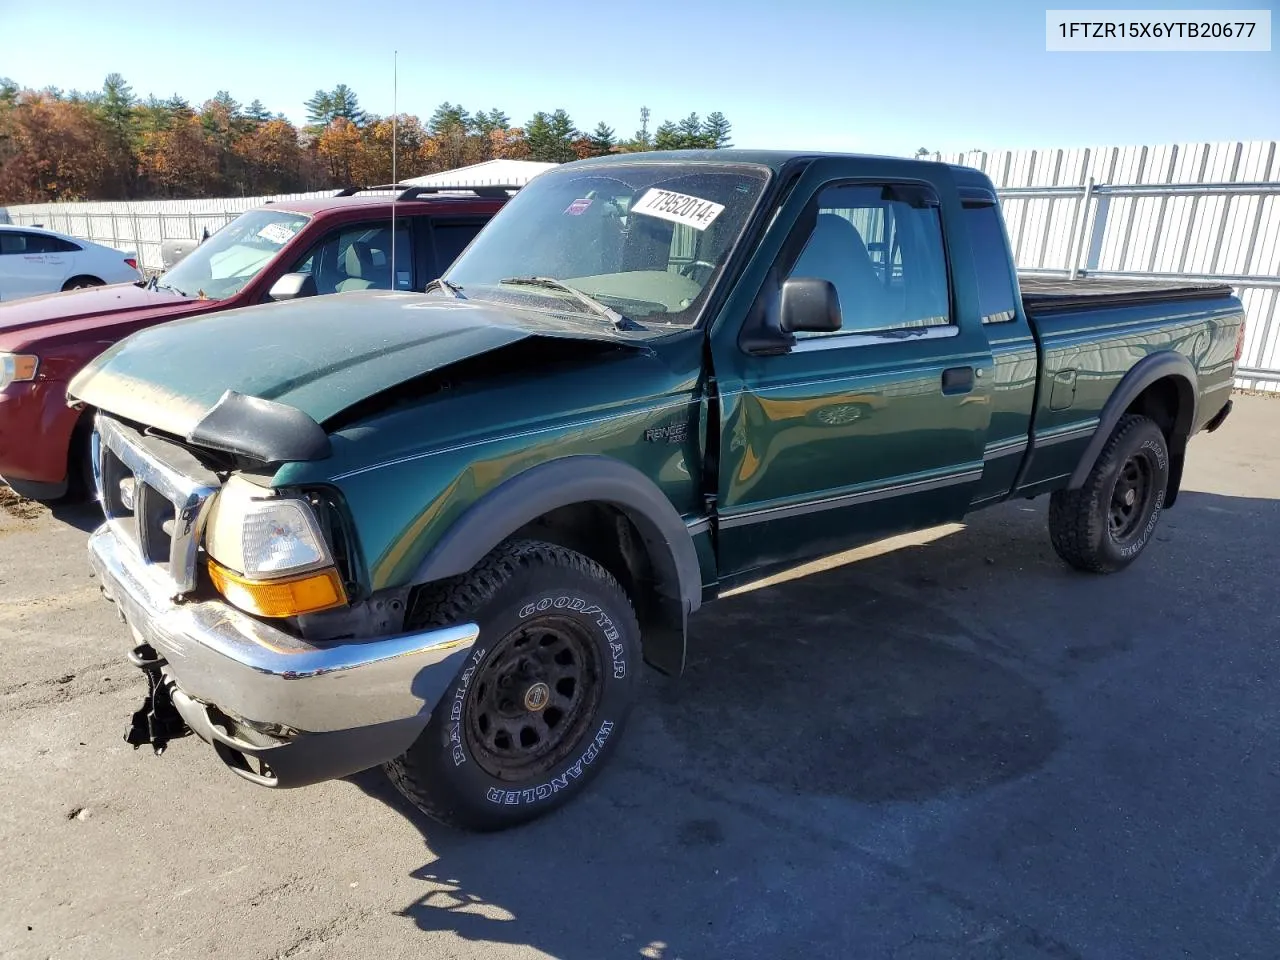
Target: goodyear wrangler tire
x: 540, y: 703
x: 1103, y: 526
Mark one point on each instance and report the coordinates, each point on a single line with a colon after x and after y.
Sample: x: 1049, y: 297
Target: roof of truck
x: 774, y: 159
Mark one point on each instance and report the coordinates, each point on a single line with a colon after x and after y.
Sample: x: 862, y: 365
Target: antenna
x: 395, y: 76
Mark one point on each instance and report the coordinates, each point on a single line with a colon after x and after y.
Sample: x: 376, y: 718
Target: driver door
x: 879, y: 426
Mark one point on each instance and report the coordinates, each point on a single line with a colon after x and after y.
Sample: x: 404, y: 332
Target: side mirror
x: 809, y: 305
x: 291, y: 286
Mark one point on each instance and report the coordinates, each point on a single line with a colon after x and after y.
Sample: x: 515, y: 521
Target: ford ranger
x: 440, y: 531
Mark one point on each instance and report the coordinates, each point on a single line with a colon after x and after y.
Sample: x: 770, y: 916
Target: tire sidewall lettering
x: 574, y: 604
x: 454, y: 725
x: 1154, y: 448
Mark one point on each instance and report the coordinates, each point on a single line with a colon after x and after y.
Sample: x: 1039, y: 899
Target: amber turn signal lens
x: 320, y: 590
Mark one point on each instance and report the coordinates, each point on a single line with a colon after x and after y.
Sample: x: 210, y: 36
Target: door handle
x: 957, y: 380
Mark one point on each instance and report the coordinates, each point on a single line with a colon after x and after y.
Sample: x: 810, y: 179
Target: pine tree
x: 449, y: 119
x: 667, y: 137
x: 485, y: 124
x: 716, y: 130
x: 116, y: 103
x: 601, y: 140
x: 228, y: 103
x: 257, y: 112
x: 690, y: 132
x: 320, y: 108
x: 177, y: 105
x: 551, y: 137
x: 346, y: 104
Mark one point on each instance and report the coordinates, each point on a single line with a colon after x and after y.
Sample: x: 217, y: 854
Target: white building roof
x: 514, y: 173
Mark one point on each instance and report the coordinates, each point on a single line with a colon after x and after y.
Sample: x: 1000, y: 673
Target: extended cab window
x: 881, y: 247
x: 450, y: 240
x: 991, y: 261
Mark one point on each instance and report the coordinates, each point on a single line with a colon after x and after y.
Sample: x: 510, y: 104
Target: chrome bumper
x: 265, y: 677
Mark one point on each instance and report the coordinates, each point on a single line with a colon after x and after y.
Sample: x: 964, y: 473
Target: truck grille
x: 154, y: 493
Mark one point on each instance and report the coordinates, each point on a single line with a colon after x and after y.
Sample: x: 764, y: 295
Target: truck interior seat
x: 836, y: 252
x: 362, y: 269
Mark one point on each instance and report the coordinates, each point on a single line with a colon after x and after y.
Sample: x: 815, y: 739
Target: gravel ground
x: 942, y: 746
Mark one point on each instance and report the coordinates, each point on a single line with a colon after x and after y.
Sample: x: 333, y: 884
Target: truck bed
x: 1053, y: 294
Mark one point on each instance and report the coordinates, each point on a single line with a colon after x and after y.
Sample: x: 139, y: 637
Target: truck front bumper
x: 279, y: 711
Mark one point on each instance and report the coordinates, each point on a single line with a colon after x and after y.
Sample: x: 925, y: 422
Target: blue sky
x: 808, y: 74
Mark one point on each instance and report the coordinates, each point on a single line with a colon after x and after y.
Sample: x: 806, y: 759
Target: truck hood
x: 319, y: 355
x: 91, y: 309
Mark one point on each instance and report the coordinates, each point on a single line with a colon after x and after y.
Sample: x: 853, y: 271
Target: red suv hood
x: 93, y: 310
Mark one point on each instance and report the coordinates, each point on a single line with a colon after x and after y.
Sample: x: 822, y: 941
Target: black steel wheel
x: 1129, y: 497
x: 1105, y: 524
x: 539, y: 703
x: 534, y: 698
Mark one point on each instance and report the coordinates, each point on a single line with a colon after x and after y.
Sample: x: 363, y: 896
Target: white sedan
x: 35, y: 261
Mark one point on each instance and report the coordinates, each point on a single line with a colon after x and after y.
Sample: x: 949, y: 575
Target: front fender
x: 565, y: 482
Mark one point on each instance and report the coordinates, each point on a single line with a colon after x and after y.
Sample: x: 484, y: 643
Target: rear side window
x: 64, y: 246
x: 991, y: 261
x: 12, y: 242
x: 451, y: 239
x: 40, y: 243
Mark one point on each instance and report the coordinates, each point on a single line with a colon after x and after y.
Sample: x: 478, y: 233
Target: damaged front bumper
x: 279, y: 711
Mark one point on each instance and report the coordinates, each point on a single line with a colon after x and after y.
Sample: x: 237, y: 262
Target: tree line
x: 113, y: 145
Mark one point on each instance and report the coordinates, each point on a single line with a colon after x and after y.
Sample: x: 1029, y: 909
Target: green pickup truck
x: 439, y: 531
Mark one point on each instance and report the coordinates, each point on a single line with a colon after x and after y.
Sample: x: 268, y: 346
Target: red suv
x: 276, y: 251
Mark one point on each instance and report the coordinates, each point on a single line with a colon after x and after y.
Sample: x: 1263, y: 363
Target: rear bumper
x: 303, y: 712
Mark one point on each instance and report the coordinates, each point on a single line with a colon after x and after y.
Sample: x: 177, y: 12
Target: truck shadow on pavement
x: 877, y: 682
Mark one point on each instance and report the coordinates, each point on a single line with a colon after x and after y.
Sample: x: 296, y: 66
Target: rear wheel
x: 79, y: 283
x: 1104, y: 525
x: 540, y: 703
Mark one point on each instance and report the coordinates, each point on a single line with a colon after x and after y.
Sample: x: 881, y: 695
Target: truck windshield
x: 233, y: 256
x: 647, y: 240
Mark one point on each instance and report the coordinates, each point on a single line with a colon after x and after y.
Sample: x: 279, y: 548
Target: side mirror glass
x: 291, y: 286
x: 809, y: 305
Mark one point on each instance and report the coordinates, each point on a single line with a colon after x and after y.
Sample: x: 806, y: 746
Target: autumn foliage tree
x: 110, y: 144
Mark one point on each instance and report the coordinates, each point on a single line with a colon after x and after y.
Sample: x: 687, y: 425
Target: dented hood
x: 319, y: 355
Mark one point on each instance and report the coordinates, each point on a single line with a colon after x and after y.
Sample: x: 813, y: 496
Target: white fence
x: 1198, y: 212
x: 141, y: 226
x: 1207, y: 212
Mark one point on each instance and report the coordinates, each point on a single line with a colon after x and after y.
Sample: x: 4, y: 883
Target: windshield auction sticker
x: 278, y: 233
x: 678, y: 208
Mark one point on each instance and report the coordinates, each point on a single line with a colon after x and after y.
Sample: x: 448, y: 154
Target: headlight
x: 17, y: 366
x: 267, y: 553
x: 260, y: 535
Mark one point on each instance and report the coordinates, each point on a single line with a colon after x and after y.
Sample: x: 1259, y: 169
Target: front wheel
x: 541, y: 702
x: 1104, y: 525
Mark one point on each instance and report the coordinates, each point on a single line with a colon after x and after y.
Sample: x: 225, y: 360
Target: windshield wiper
x: 448, y: 286
x: 595, y: 306
x: 165, y: 286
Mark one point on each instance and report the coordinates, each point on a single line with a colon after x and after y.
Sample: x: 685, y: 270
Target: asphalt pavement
x: 942, y: 746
